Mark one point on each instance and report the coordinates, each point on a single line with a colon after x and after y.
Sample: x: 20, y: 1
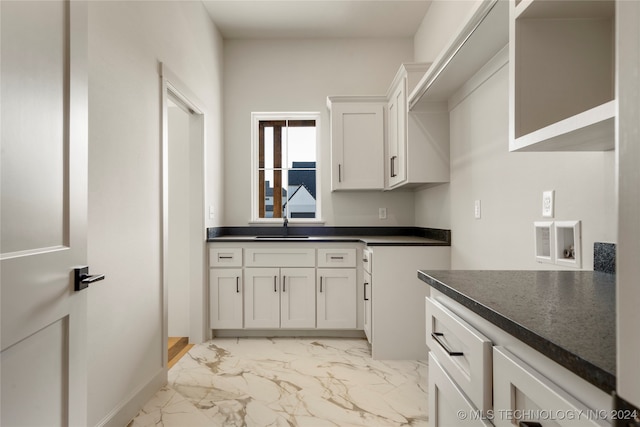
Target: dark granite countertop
x: 569, y: 316
x: 371, y: 236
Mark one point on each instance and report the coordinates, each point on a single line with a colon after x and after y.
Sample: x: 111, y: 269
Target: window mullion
x: 277, y: 173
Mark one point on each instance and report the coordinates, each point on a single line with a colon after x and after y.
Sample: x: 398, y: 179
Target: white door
x: 337, y: 298
x: 44, y: 200
x: 262, y: 298
x: 298, y: 298
x: 225, y: 298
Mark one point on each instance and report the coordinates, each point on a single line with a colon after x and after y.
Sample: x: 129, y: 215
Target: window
x: 285, y: 166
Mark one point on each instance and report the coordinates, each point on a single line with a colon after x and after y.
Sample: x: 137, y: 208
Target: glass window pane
x: 268, y: 147
x: 287, y: 169
x: 301, y: 193
x: 301, y: 145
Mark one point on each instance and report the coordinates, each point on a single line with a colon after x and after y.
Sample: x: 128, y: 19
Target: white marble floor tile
x: 289, y: 382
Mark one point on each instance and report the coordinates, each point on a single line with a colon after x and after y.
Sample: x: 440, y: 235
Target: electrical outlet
x: 382, y: 213
x: 547, y: 203
x: 477, y: 209
x: 211, y: 212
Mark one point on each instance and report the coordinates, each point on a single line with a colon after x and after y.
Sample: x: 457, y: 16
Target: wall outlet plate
x: 382, y: 213
x: 547, y: 203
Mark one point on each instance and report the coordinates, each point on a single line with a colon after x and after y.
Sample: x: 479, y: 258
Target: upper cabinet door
x: 357, y: 143
x: 397, y: 135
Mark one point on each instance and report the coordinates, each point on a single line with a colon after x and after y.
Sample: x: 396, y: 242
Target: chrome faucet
x: 285, y: 225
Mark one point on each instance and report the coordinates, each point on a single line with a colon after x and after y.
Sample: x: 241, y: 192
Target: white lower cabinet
x: 368, y: 289
x: 499, y: 379
x: 279, y: 298
x: 521, y: 394
x: 225, y: 298
x: 336, y: 298
x: 463, y: 352
x: 448, y: 404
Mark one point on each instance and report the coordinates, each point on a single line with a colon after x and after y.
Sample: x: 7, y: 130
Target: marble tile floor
x: 323, y: 382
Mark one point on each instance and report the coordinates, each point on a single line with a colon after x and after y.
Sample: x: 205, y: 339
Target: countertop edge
x: 586, y: 370
x: 370, y: 236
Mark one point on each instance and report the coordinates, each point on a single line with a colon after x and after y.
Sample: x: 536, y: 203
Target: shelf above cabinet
x: 562, y: 75
x: 484, y: 34
x: 591, y: 130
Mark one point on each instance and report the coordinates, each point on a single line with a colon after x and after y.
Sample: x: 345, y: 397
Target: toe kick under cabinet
x: 287, y: 286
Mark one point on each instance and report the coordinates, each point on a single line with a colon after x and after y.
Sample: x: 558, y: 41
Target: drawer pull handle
x: 436, y: 335
x: 320, y: 284
x: 275, y: 288
x: 225, y: 257
x: 237, y: 284
x: 365, y: 260
x: 365, y: 291
x: 337, y: 257
x: 529, y: 424
x: 284, y: 283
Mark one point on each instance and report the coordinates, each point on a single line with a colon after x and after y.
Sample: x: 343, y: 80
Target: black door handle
x: 82, y: 279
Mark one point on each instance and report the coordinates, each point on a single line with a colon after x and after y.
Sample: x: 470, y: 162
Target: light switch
x: 211, y: 212
x: 477, y: 210
x: 382, y: 213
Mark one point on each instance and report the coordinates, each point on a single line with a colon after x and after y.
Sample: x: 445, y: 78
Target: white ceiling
x: 246, y: 19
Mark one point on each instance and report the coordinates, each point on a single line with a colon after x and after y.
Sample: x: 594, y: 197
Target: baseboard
x: 129, y: 408
x: 305, y: 333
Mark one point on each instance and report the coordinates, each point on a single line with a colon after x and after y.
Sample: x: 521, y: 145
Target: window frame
x: 256, y: 118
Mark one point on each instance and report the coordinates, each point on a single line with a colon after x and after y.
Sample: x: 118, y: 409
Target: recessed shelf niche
x: 568, y: 243
x: 545, y: 242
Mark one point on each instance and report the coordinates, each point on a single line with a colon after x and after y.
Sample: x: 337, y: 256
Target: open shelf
x: 480, y: 39
x: 562, y: 75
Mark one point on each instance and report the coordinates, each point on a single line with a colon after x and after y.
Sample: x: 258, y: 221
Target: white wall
x: 510, y: 187
x: 298, y: 75
x: 439, y: 26
x: 126, y: 42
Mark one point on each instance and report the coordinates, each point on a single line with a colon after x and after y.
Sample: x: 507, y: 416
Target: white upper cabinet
x: 357, y: 142
x: 562, y: 75
x: 417, y: 141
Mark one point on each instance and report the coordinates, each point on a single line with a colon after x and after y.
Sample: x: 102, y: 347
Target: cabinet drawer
x: 522, y: 393
x: 448, y: 405
x: 336, y: 257
x: 367, y: 259
x: 225, y: 257
x: 280, y: 257
x: 463, y: 351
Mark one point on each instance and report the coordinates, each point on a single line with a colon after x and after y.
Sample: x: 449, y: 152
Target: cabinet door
x: 225, y: 298
x: 298, y: 298
x: 521, y: 392
x: 357, y: 146
x: 368, y: 291
x: 262, y: 298
x: 337, y: 298
x: 397, y: 135
x: 448, y: 405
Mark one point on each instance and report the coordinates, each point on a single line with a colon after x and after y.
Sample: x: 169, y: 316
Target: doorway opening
x: 183, y: 218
